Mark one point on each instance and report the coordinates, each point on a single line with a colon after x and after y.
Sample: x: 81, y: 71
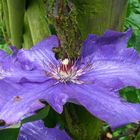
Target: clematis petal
x: 111, y: 40
x: 7, y: 90
x: 120, y: 71
x: 103, y: 104
x: 37, y: 131
x: 40, y: 55
x: 114, y: 65
x: 12, y: 70
x: 28, y: 101
x: 3, y: 55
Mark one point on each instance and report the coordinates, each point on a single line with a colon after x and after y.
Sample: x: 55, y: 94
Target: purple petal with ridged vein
x: 120, y: 71
x: 7, y: 90
x: 103, y: 104
x: 7, y: 87
x: 40, y: 55
x: 114, y: 65
x: 100, y: 102
x: 11, y: 69
x: 27, y: 101
x: 113, y: 39
x: 37, y: 131
x: 2, y: 55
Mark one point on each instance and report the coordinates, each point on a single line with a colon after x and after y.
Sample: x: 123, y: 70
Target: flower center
x: 65, y: 72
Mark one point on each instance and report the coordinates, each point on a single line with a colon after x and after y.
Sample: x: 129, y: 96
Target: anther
x: 65, y: 61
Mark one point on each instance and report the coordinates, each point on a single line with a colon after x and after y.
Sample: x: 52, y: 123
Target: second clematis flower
x: 104, y: 67
x: 37, y: 131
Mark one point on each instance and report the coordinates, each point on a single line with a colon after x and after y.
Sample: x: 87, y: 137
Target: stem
x: 16, y: 10
x: 137, y: 133
x: 80, y: 124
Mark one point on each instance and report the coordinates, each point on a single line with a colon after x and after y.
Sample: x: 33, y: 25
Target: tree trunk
x: 95, y: 16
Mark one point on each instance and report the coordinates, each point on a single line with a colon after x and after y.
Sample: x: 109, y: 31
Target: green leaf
x: 53, y: 119
x: 40, y: 115
x: 131, y: 94
x: 137, y: 42
x: 16, y: 11
x: 37, y: 20
x: 9, y: 134
x: 135, y: 18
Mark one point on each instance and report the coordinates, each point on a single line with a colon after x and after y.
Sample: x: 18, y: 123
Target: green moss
x: 64, y: 19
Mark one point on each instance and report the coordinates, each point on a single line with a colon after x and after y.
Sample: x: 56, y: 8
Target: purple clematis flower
x: 37, y: 131
x: 104, y: 67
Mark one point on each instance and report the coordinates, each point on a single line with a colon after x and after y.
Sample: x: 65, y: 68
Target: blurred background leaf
x: 9, y: 134
x: 133, y: 21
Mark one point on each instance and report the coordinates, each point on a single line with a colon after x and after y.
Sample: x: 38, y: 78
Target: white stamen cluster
x: 67, y: 72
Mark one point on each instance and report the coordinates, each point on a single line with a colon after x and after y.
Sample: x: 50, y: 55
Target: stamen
x: 65, y: 65
x: 67, y: 71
